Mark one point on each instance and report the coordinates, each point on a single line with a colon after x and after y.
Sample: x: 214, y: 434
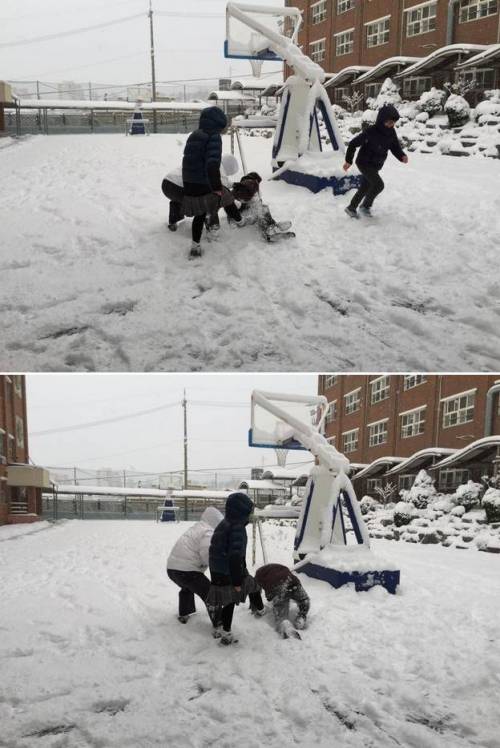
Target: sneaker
x: 183, y: 619
x: 365, y: 211
x: 217, y: 632
x: 242, y: 222
x: 196, y: 250
x: 258, y: 612
x: 351, y: 212
x: 227, y: 638
x: 172, y: 226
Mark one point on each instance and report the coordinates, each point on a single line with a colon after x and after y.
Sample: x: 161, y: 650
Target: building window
x: 405, y: 482
x: 331, y: 413
x: 413, y: 380
x: 452, y: 478
x: 339, y: 94
x: 350, y: 440
x: 11, y: 448
x: 317, y: 50
x: 377, y: 433
x: 372, y: 90
x: 413, y: 423
x: 344, y: 5
x: 19, y: 432
x: 372, y: 484
x: 318, y: 12
x: 377, y: 32
x: 415, y: 87
x: 352, y: 401
x: 457, y: 410
x: 18, y: 385
x: 344, y: 43
x: 471, y: 10
x: 380, y: 389
x: 421, y: 20
x: 482, y: 78
x: 330, y: 381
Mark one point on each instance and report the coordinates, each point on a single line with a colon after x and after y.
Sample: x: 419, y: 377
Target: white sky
x: 153, y: 442
x: 185, y: 47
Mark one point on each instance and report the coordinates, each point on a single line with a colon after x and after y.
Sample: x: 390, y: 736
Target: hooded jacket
x: 203, y: 151
x: 227, y: 555
x: 190, y: 553
x: 376, y: 141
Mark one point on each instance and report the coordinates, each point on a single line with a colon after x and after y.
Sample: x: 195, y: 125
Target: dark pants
x: 225, y: 614
x: 191, y: 583
x: 371, y: 186
x: 176, y: 195
x: 281, y: 596
x: 198, y: 190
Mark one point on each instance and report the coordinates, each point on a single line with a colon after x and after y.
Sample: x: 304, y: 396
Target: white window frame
x: 463, y: 414
x: 344, y: 42
x: 413, y: 380
x: 467, y: 7
x: 472, y: 74
x: 340, y: 92
x: 405, y: 481
x: 419, y: 21
x: 372, y: 90
x: 414, y: 426
x: 373, y: 483
x: 377, y: 32
x: 3, y: 447
x: 344, y: 5
x: 423, y: 83
x: 19, y: 432
x: 352, y: 405
x: 331, y: 413
x: 456, y: 480
x: 18, y: 385
x: 332, y: 439
x: 330, y: 380
x: 380, y: 393
x: 319, y: 12
x: 350, y: 445
x: 317, y: 50
x: 374, y: 432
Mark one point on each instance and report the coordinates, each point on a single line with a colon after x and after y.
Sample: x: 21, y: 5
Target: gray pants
x: 281, y: 596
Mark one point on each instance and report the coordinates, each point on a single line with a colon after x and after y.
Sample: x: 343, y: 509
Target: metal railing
x: 56, y: 507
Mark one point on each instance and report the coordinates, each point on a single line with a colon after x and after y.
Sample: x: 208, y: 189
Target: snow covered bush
x: 353, y: 102
x: 402, y: 513
x: 367, y: 504
x: 422, y: 491
x: 458, y: 110
x: 467, y: 495
x: 432, y: 101
x: 422, y: 117
x: 368, y: 118
x: 388, y: 94
x: 491, y: 504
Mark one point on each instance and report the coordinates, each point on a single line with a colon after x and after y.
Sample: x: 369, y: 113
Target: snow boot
x: 352, y: 212
x: 365, y: 211
x: 258, y: 612
x: 183, y: 619
x: 287, y: 631
x: 227, y: 638
x: 196, y: 250
x: 172, y: 226
x: 274, y: 234
x: 217, y: 632
x: 283, y: 225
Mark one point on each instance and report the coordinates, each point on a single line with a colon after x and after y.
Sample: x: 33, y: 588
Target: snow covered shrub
x: 432, y: 101
x: 467, y: 495
x: 388, y: 94
x: 422, y: 117
x: 491, y: 504
x: 368, y: 118
x: 421, y: 492
x: 367, y: 504
x: 353, y: 102
x: 460, y: 86
x: 458, y: 110
x: 402, y: 513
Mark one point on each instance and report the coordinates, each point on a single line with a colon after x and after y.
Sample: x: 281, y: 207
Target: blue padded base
x: 339, y: 185
x: 362, y: 581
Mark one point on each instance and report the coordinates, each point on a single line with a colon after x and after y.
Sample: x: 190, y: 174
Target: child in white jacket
x: 188, y: 560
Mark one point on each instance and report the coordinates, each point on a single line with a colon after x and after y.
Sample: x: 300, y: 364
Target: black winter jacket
x: 376, y: 141
x: 203, y: 151
x: 227, y: 554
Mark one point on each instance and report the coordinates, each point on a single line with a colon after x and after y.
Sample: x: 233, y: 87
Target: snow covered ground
x: 92, y: 280
x: 91, y: 653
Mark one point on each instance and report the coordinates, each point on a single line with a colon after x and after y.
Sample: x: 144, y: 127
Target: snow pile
x: 421, y: 492
x: 491, y: 504
x: 350, y: 558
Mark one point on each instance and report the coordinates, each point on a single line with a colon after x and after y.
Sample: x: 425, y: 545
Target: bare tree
x: 353, y: 102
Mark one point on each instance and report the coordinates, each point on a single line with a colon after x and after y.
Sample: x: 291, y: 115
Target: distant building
x: 398, y: 424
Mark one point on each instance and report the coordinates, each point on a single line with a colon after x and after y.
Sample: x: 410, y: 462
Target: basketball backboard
x: 277, y: 419
x: 252, y: 30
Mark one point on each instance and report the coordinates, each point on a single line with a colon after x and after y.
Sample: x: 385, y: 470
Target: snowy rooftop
x: 471, y: 450
x: 231, y: 96
x: 377, y: 465
x: 261, y: 485
x: 201, y: 494
x: 352, y: 71
x: 284, y: 474
x: 439, y: 55
x: 110, y: 491
x: 385, y: 66
x: 419, y: 457
x: 258, y: 84
x: 488, y: 54
x: 165, y: 106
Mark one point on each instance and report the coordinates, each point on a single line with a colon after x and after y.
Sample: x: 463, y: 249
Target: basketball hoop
x: 256, y: 67
x: 281, y: 455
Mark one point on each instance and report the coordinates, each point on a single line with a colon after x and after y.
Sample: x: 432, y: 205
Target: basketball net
x: 256, y: 67
x: 281, y: 455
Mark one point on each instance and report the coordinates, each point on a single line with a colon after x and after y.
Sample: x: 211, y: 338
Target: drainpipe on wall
x: 449, y: 21
x: 488, y: 416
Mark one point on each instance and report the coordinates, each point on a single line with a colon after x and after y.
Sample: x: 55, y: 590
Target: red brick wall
x: 12, y: 404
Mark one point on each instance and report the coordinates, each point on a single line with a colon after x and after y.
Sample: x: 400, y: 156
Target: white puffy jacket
x: 190, y: 553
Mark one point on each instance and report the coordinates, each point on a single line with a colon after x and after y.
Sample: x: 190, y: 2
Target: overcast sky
x: 154, y: 442
x: 187, y: 47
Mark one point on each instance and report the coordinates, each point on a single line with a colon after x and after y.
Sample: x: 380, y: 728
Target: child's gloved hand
x: 300, y: 622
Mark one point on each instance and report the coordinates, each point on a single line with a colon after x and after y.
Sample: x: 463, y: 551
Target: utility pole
x: 153, y: 72
x: 184, y: 405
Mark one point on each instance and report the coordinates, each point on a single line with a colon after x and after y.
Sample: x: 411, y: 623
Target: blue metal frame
x: 352, y: 517
x: 267, y: 55
x: 299, y: 538
x: 277, y: 142
x: 294, y: 444
x: 362, y: 581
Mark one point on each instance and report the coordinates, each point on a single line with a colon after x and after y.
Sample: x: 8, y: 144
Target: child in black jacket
x: 281, y: 586
x: 231, y: 582
x: 374, y: 143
